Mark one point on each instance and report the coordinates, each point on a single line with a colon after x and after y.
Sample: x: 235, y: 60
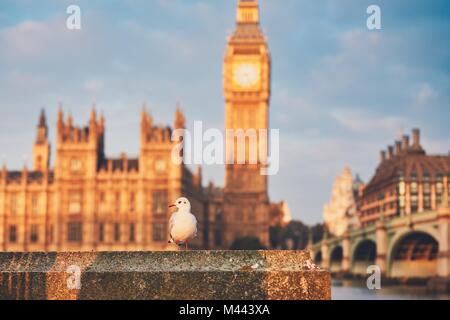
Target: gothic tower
x: 41, y: 147
x: 79, y: 152
x: 247, y: 94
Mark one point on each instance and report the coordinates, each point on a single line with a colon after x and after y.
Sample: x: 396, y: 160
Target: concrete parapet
x: 192, y: 275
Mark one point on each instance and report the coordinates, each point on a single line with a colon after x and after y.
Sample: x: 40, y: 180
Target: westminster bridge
x: 411, y: 246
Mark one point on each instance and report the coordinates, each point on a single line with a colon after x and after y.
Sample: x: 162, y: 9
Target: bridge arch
x: 336, y: 257
x: 413, y: 254
x: 363, y: 255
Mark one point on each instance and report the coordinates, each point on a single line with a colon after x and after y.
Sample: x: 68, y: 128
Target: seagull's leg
x: 187, y: 245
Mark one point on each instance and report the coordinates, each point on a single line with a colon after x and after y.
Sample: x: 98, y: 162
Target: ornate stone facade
x: 340, y: 213
x: 90, y: 202
x: 247, y: 93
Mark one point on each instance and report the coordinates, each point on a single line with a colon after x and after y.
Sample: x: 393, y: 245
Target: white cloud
x: 424, y: 95
x: 93, y: 86
x: 363, y: 121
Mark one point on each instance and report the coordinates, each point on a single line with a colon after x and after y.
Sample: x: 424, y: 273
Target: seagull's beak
x: 172, y: 205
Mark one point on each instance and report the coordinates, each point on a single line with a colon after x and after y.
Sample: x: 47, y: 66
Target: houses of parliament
x: 89, y: 202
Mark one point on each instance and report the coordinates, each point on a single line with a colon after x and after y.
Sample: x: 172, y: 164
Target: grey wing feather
x: 172, y: 222
x: 195, y: 224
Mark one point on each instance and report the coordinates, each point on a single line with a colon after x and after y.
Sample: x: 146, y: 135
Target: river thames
x: 357, y: 290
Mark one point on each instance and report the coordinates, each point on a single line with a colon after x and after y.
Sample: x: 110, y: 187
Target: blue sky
x: 340, y: 92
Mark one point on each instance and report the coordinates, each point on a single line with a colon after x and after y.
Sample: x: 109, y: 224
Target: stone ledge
x: 190, y: 275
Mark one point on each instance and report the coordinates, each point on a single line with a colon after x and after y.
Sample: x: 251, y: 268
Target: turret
x: 391, y: 152
x: 416, y: 146
x: 93, y: 126
x: 180, y: 120
x: 4, y: 173
x: 382, y: 156
x: 41, y: 147
x: 24, y: 174
x: 146, y: 122
x: 405, y: 144
x: 88, y: 141
x: 398, y: 148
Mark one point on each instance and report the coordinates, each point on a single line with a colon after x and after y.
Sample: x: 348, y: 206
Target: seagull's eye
x: 179, y: 202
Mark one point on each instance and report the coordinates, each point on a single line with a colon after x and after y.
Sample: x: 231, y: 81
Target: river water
x: 357, y: 290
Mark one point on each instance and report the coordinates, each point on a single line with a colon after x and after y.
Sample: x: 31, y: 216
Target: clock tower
x: 247, y: 95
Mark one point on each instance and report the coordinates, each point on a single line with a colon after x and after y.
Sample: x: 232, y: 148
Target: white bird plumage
x: 182, y: 224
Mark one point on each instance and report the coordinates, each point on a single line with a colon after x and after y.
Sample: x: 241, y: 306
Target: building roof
x: 407, y: 165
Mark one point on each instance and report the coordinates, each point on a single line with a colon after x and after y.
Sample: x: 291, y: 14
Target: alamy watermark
x: 74, y: 279
x: 374, y: 280
x: 374, y: 20
x: 239, y: 146
x: 73, y: 21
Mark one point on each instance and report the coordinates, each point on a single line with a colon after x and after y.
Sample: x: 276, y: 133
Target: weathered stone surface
x: 195, y: 275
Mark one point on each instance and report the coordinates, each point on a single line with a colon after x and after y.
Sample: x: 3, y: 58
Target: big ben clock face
x: 246, y: 75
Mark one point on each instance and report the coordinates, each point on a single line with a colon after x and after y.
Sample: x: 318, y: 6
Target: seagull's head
x: 182, y: 205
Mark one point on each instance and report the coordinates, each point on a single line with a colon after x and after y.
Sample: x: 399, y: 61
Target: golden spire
x: 69, y: 119
x: 102, y: 120
x: 42, y: 120
x: 180, y: 120
x: 146, y: 118
x: 60, y: 114
x: 93, y: 115
x: 248, y: 12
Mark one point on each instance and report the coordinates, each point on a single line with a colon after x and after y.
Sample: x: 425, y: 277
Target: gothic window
x: 132, y: 201
x: 439, y: 188
x: 414, y: 187
x: 75, y: 202
x: 159, y: 202
x: 116, y: 232
x: 74, y: 232
x: 14, y: 203
x: 414, y: 203
x: 50, y: 234
x: 132, y: 232
x: 426, y: 191
x: 117, y: 202
x: 414, y: 193
x: 34, y: 236
x: 12, y: 234
x: 426, y: 184
x: 427, y: 202
x: 34, y: 204
x: 159, y: 232
x: 101, y: 232
x: 103, y: 203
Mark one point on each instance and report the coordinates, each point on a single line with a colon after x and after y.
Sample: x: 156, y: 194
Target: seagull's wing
x: 194, y: 221
x: 172, y: 222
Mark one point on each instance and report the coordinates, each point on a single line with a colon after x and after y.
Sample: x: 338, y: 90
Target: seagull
x: 182, y: 224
